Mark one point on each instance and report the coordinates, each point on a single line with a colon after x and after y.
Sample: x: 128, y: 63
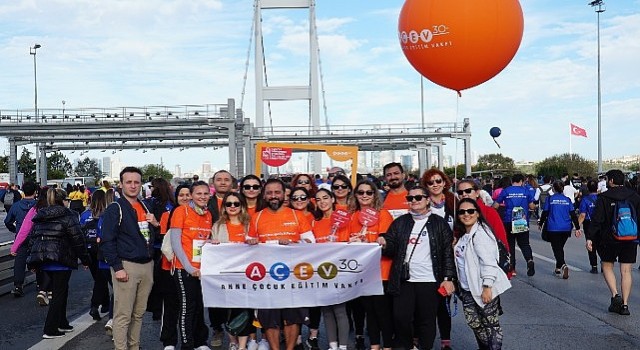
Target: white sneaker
x: 233, y: 346
x: 42, y: 299
x: 169, y: 347
x: 263, y: 345
x: 252, y: 345
x: 203, y: 347
x: 109, y: 327
x: 216, y: 340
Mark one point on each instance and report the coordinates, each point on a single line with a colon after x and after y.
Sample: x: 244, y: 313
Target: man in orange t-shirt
x: 279, y: 224
x: 395, y: 201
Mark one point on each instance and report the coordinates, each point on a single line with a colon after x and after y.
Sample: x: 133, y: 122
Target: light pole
x: 33, y: 51
x: 599, y: 8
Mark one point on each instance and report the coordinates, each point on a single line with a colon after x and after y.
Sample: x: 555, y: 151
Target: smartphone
x: 442, y: 291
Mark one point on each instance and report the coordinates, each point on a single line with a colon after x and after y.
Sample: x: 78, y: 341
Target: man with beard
x: 277, y: 224
x: 395, y: 201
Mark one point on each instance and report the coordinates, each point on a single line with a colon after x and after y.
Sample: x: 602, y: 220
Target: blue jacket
x: 558, y: 213
x: 512, y: 197
x: 16, y: 214
x: 121, y: 237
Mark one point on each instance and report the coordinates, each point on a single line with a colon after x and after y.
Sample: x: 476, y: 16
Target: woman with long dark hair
x: 250, y: 187
x: 557, y: 217
x: 56, y: 244
x: 160, y: 202
x: 343, y: 190
x: 89, y: 225
x: 365, y: 228
x: 480, y: 278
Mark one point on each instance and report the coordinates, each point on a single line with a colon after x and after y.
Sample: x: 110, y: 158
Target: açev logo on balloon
x: 424, y: 39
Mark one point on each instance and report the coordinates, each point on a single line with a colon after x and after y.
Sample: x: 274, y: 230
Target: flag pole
x: 570, y: 152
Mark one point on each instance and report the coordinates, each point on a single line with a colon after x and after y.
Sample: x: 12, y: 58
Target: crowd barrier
x: 6, y: 269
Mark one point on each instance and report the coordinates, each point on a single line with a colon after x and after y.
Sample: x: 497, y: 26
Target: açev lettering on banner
x: 267, y: 276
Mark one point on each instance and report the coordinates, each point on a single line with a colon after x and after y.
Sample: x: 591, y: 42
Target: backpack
x: 504, y: 258
x: 543, y: 195
x: 624, y: 224
x: 90, y: 231
x: 8, y: 197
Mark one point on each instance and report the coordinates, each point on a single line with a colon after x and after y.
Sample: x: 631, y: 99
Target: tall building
x: 106, y: 166
x: 178, y: 171
x: 407, y: 162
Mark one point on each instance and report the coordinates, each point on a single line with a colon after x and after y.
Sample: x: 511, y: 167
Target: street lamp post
x: 33, y: 51
x: 598, y: 5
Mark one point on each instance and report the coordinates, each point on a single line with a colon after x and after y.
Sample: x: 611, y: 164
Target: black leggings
x: 558, y: 240
x: 523, y: 243
x: 379, y: 319
x: 593, y: 256
x: 355, y: 310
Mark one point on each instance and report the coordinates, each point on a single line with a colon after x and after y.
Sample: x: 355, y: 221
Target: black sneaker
x: 531, y: 270
x: 312, y: 343
x: 66, y: 329
x: 616, y: 304
x: 298, y: 347
x: 624, y: 310
x: 104, y: 309
x: 360, y: 343
x: 18, y: 292
x: 594, y: 269
x: 95, y: 313
x: 53, y: 335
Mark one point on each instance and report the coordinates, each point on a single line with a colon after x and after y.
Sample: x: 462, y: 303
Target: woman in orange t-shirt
x: 190, y: 228
x: 378, y: 307
x: 341, y: 187
x: 170, y: 307
x: 300, y: 201
x: 232, y: 227
x: 250, y: 187
x: 305, y: 181
x: 336, y: 320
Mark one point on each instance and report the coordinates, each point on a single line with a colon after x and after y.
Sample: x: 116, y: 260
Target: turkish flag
x: 578, y: 131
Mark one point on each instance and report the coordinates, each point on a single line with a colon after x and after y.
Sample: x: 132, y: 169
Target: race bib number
x: 197, y: 250
x: 519, y: 221
x: 144, y: 230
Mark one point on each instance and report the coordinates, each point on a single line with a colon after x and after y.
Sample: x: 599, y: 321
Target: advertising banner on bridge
x: 268, y: 276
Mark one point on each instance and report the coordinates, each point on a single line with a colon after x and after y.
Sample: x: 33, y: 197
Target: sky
x: 141, y: 53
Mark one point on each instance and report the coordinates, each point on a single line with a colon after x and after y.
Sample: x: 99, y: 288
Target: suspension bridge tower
x: 288, y: 93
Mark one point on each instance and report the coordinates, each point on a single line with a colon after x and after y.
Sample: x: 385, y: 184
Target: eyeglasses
x: 466, y: 211
x: 467, y: 191
x: 438, y: 181
x: 232, y: 204
x: 298, y: 198
x: 340, y: 187
x: 303, y: 182
x: 251, y: 187
x: 417, y: 197
x: 362, y: 193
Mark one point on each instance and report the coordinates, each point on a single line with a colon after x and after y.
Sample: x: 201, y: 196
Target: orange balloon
x: 459, y: 44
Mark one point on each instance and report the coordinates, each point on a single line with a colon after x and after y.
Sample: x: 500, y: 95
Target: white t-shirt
x: 458, y: 250
x: 570, y: 192
x: 602, y: 186
x: 441, y: 213
x: 420, y: 265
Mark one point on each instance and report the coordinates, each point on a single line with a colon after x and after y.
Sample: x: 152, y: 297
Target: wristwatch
x: 449, y: 279
x: 485, y: 286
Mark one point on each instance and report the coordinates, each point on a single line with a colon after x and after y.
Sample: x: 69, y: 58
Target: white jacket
x: 481, y: 264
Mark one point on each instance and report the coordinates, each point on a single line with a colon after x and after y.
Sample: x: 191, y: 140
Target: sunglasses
x: 303, y: 182
x: 467, y: 191
x: 298, y: 198
x: 362, y: 193
x: 417, y: 197
x: 437, y: 181
x: 466, y: 211
x: 340, y: 187
x: 251, y: 187
x: 232, y: 204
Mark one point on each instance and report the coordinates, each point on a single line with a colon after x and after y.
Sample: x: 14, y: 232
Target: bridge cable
x: 246, y: 64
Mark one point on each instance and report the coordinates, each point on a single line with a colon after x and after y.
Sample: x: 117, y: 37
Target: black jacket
x: 440, y: 241
x: 600, y: 229
x: 121, y: 237
x: 56, y: 237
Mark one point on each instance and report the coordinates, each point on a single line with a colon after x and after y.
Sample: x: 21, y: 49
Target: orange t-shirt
x: 308, y: 216
x: 283, y: 224
x: 141, y: 216
x: 322, y: 231
x: 236, y: 232
x: 344, y: 207
x: 396, y: 203
x: 195, y: 230
x: 251, y: 211
x: 372, y: 232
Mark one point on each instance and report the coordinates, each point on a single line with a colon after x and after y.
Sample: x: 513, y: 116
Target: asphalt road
x: 541, y: 312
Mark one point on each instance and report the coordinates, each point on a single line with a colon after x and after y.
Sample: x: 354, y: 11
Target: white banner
x: 267, y: 276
